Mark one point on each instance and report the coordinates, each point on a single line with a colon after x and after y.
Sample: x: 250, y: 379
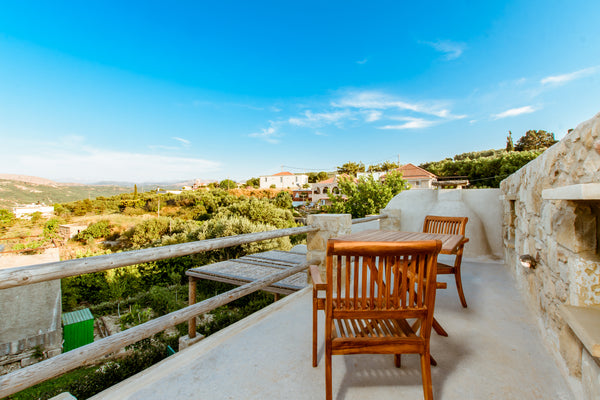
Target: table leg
x: 438, y: 328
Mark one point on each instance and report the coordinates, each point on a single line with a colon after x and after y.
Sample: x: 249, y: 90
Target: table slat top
x: 450, y: 243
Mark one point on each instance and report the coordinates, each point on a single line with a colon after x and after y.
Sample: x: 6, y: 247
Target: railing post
x: 330, y: 225
x: 393, y: 220
x: 192, y: 301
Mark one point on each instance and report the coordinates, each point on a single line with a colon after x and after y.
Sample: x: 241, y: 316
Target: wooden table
x: 450, y: 245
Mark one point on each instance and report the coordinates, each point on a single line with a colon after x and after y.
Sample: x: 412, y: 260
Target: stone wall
x: 30, y: 327
x: 563, y: 236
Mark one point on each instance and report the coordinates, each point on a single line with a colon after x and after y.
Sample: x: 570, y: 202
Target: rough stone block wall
x: 564, y: 235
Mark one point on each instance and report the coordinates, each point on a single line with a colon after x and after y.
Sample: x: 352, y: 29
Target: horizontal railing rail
x: 23, y: 378
x: 27, y: 275
x: 368, y: 219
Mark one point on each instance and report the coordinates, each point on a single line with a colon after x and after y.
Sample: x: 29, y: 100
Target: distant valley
x: 27, y: 190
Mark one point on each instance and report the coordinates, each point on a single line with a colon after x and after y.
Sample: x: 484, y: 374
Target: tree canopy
x: 351, y: 168
x: 535, y: 140
x: 367, y: 196
x: 384, y: 166
x: 317, y: 177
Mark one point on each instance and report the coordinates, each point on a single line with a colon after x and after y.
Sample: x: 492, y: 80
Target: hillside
x: 21, y: 189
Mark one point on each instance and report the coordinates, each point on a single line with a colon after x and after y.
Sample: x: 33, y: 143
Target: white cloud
x: 318, y: 133
x: 411, y: 123
x: 82, y: 163
x: 373, y: 116
x: 319, y: 119
x: 269, y: 135
x: 363, y: 61
x: 373, y: 100
x: 562, y: 79
x: 451, y: 50
x: 513, y: 112
x: 185, y: 142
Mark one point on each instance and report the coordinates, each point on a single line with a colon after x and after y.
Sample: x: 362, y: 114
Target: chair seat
x: 372, y: 328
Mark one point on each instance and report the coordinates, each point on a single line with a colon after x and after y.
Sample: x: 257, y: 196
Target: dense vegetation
x: 140, y: 292
x: 488, y: 168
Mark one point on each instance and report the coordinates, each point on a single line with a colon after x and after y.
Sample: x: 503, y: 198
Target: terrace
x: 522, y: 335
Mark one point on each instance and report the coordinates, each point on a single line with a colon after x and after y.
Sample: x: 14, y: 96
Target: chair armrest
x: 316, y: 278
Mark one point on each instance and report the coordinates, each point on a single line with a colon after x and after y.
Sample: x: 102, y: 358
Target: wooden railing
x: 12, y: 277
x: 19, y: 276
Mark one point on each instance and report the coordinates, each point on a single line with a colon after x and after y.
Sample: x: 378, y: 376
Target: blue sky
x: 164, y: 91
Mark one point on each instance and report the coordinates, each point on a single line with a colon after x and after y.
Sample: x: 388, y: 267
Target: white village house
x: 283, y: 180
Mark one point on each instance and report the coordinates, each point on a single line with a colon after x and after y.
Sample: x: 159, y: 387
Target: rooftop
x: 493, y: 351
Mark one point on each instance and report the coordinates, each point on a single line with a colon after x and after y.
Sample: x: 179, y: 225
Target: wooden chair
x: 372, y: 290
x: 454, y: 226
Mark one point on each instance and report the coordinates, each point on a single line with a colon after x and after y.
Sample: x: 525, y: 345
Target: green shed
x: 78, y: 329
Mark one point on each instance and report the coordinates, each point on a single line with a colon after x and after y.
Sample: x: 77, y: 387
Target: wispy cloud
x: 185, y: 142
x: 372, y: 116
x: 319, y: 133
x: 355, y: 108
x: 451, y: 50
x: 269, y: 135
x: 373, y: 100
x: 565, y: 78
x: 363, y: 61
x: 411, y: 123
x: 513, y: 112
x: 319, y: 119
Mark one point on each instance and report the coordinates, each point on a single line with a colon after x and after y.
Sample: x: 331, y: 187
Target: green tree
x: 135, y: 192
x: 509, y: 142
x: 283, y: 200
x: 254, y: 182
x: 535, y: 140
x: 321, y: 176
x: 317, y: 177
x: 384, y: 166
x: 367, y: 196
x: 227, y: 184
x: 351, y: 168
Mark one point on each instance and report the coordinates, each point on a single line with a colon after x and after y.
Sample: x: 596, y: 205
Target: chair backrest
x: 449, y: 225
x: 382, y: 280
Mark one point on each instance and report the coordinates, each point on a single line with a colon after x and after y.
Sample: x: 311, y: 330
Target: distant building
x: 375, y: 175
x: 68, y: 231
x: 27, y: 211
x: 322, y: 189
x: 301, y: 197
x: 417, y: 177
x: 283, y: 180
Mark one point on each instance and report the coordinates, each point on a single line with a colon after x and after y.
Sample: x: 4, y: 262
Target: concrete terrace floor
x: 493, y: 351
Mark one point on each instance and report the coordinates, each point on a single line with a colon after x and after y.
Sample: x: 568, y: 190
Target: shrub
x: 96, y: 230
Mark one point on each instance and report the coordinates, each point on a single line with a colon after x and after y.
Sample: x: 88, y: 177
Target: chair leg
x: 328, y: 383
x: 398, y: 360
x: 426, y: 374
x: 459, y: 287
x: 315, y: 362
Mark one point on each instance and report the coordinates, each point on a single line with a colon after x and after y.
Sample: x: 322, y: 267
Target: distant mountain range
x: 25, y: 189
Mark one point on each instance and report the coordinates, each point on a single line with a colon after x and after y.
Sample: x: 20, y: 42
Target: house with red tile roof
x: 283, y: 180
x: 417, y: 177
